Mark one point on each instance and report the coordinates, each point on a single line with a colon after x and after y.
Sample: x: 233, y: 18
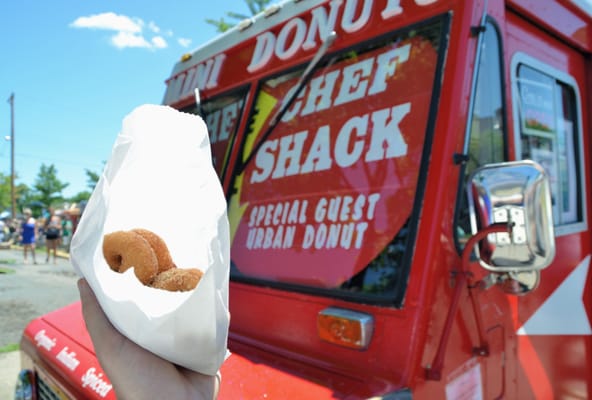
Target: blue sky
x: 78, y: 67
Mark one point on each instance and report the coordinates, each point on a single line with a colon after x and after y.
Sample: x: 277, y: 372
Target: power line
x: 55, y: 160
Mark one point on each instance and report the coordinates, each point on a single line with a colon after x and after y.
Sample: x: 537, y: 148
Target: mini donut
x: 177, y: 279
x: 125, y: 249
x: 163, y: 256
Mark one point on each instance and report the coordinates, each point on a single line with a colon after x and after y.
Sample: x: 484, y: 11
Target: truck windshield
x: 326, y: 202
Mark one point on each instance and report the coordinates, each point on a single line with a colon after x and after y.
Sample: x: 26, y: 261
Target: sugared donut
x: 148, y: 254
x: 177, y: 279
x: 126, y: 249
x: 163, y: 256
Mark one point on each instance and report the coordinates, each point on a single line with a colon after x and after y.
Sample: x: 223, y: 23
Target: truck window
x: 325, y: 204
x: 222, y: 116
x: 549, y: 133
x: 486, y: 141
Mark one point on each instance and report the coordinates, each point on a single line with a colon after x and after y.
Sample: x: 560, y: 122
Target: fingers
x: 134, y: 371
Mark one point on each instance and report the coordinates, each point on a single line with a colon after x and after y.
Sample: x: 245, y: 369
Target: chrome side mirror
x: 520, y: 283
x: 516, y: 193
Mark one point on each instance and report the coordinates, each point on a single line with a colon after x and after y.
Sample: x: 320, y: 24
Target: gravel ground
x: 28, y: 292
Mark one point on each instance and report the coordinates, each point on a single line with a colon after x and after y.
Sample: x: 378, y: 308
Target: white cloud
x: 127, y: 39
x: 159, y: 42
x: 129, y: 31
x: 109, y: 21
x: 153, y: 27
x: 184, y: 42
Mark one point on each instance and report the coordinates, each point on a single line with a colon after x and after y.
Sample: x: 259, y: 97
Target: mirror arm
x: 482, y: 234
x: 434, y: 370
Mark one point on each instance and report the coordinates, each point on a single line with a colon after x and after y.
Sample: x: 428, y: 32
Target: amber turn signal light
x: 345, y: 328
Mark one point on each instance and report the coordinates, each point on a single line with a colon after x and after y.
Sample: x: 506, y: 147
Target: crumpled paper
x: 160, y: 177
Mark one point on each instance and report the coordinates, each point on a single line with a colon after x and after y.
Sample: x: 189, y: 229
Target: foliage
x: 21, y: 194
x: 48, y: 188
x: 255, y: 7
x: 5, y: 193
x: 25, y: 198
x: 46, y: 192
x: 80, y: 197
x: 220, y: 24
x: 9, y: 347
x: 92, y: 178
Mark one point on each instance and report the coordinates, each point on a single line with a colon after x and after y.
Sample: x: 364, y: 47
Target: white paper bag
x: 160, y: 177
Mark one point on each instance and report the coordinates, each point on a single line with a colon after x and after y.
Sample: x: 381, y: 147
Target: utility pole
x: 12, y: 194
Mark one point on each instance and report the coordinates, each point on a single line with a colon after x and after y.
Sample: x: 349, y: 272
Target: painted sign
x: 222, y: 117
x: 286, y: 41
x: 335, y: 180
x: 72, y: 359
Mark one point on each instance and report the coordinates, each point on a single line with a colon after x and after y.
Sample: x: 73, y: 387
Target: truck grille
x: 44, y: 391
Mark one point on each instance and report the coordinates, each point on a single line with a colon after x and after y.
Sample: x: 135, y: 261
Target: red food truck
x: 408, y: 185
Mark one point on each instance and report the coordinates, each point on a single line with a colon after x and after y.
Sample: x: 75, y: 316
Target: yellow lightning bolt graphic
x: 265, y: 105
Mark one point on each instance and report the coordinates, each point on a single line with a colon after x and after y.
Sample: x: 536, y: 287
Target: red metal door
x: 550, y: 125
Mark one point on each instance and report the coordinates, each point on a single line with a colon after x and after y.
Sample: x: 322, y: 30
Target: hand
x: 134, y: 372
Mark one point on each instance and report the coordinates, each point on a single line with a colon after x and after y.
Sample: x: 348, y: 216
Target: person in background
x: 13, y: 230
x: 66, y: 231
x: 53, y: 233
x: 28, y: 234
x: 134, y: 372
x: 3, y: 229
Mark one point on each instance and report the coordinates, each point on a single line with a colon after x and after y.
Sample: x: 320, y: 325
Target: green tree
x: 80, y: 197
x: 255, y: 7
x: 24, y: 198
x: 5, y: 194
x: 21, y: 193
x: 48, y: 188
x: 92, y: 178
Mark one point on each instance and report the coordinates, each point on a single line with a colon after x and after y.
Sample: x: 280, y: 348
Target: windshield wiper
x: 287, y: 101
